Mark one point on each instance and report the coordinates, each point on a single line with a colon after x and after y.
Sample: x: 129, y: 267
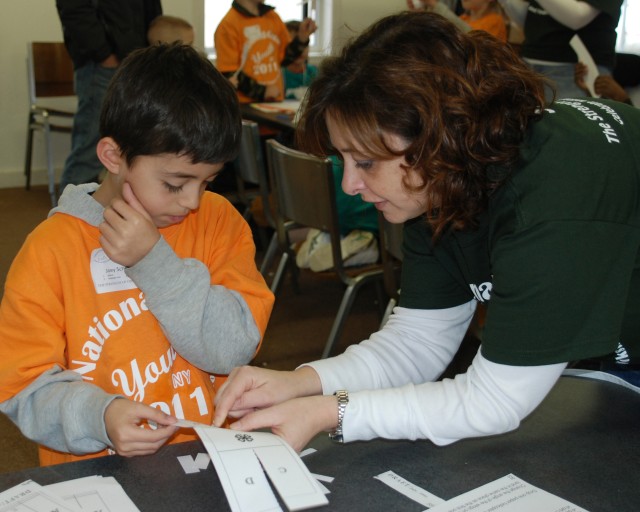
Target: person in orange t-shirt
x: 253, y: 45
x: 128, y: 306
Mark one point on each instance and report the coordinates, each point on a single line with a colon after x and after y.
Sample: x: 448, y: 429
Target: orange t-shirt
x: 492, y: 23
x: 254, y: 44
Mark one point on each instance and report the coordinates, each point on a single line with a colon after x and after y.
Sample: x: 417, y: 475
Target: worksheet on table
x: 241, y: 460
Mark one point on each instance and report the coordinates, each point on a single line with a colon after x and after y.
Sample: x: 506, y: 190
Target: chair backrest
x: 50, y: 70
x: 391, y: 242
x: 303, y: 186
x: 251, y: 168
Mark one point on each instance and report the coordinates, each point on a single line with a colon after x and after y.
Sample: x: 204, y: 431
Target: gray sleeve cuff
x: 61, y: 411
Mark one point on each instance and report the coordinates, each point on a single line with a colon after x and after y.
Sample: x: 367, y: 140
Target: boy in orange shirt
x: 129, y: 304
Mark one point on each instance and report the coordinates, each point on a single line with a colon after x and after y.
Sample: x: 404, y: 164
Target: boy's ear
x: 109, y: 154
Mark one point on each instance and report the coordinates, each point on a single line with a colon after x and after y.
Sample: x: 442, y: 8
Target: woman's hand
x: 297, y: 421
x: 249, y: 388
x: 123, y: 418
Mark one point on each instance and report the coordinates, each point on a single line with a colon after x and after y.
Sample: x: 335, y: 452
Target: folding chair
x: 52, y: 101
x: 251, y: 170
x: 303, y: 186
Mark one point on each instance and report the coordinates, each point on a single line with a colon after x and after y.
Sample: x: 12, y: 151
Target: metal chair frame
x: 51, y: 101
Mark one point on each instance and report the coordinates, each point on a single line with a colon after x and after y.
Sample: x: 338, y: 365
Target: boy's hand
x: 580, y: 73
x: 122, y: 420
x: 128, y: 233
x: 607, y: 87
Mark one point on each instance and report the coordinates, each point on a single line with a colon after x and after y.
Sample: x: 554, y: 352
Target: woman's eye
x: 364, y: 164
x: 172, y: 188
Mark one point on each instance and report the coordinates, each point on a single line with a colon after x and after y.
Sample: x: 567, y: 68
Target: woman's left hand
x: 297, y: 421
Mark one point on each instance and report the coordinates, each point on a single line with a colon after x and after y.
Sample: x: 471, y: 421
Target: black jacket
x: 94, y: 29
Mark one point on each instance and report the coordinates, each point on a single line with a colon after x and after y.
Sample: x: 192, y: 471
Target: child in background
x: 130, y: 303
x: 252, y: 46
x: 170, y: 29
x: 485, y: 15
x: 299, y: 74
x: 478, y: 15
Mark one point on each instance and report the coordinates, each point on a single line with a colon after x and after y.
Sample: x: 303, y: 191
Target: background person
x: 252, y: 46
x: 548, y: 27
x: 170, y: 29
x: 533, y: 212
x: 98, y: 35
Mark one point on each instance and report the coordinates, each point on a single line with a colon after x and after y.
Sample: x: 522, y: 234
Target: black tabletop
x: 582, y: 444
x: 272, y: 120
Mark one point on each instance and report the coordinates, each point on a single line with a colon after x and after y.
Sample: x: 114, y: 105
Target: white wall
x: 37, y: 20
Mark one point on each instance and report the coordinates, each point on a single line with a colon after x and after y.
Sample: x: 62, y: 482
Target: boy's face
x: 168, y: 186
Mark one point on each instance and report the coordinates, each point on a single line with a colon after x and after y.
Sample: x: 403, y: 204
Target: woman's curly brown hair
x: 462, y: 102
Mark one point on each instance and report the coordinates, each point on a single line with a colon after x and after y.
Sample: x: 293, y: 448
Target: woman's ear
x: 110, y: 155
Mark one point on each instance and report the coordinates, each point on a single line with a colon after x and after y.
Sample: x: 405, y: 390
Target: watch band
x: 343, y: 400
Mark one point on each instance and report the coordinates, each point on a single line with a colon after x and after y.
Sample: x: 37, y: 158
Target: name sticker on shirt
x: 108, y: 276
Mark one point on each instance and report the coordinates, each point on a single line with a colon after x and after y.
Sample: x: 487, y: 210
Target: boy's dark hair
x: 171, y: 99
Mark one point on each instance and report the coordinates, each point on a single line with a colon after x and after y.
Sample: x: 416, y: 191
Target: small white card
x: 408, y: 489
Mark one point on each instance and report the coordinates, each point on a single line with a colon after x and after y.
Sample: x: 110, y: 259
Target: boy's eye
x: 172, y: 188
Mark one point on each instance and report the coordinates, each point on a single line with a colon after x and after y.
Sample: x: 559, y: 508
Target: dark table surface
x: 582, y: 444
x: 276, y: 121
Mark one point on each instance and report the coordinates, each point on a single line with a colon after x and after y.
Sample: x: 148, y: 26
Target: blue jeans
x: 82, y: 164
x: 563, y: 79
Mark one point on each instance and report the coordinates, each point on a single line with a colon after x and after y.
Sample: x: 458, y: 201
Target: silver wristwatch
x: 343, y: 400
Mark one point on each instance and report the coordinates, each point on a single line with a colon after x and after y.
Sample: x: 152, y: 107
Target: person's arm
x: 516, y: 10
x: 61, y: 411
x: 574, y: 14
x: 388, y: 395
x: 414, y: 346
x: 214, y: 313
x: 297, y: 45
x: 489, y: 399
x: 443, y: 10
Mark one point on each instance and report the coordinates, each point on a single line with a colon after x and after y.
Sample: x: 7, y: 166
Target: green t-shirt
x: 548, y: 39
x: 558, y: 250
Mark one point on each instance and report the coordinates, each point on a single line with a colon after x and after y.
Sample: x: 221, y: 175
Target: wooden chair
x: 52, y: 101
x: 304, y: 190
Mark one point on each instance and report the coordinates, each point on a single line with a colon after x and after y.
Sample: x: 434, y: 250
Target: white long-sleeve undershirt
x: 391, y: 394
x: 573, y: 14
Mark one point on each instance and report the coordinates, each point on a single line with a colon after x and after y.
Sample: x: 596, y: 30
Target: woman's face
x: 378, y: 181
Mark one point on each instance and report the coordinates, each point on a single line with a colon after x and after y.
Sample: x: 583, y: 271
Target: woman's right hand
x: 249, y: 388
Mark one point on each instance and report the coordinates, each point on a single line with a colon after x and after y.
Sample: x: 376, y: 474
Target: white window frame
x: 319, y: 10
x: 628, y: 28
